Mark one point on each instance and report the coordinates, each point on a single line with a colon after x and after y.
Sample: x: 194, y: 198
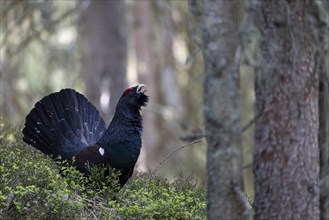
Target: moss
x: 31, y: 187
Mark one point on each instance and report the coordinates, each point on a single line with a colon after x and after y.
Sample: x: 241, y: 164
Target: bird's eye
x: 128, y: 91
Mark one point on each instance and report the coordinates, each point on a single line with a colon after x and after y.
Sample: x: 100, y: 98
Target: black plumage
x: 66, y: 124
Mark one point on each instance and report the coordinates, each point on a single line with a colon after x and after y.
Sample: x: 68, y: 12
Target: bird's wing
x: 94, y: 155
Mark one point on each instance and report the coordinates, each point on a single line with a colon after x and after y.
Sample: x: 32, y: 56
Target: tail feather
x: 63, y: 123
x: 91, y: 120
x: 72, y: 118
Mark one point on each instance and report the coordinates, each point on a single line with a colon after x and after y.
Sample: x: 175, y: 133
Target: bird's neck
x: 128, y: 118
x: 125, y: 125
x: 122, y: 140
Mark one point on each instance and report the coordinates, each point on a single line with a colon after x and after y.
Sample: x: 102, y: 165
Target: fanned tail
x: 63, y: 123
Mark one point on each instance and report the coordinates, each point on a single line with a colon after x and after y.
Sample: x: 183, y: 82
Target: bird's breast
x: 123, y: 154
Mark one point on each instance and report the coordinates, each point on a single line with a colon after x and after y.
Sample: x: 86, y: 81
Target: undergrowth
x: 32, y: 186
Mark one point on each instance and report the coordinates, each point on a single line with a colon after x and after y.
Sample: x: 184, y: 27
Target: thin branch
x: 249, y: 165
x: 174, y: 151
x: 244, y: 200
x: 10, y: 201
x: 191, y: 57
x: 251, y: 122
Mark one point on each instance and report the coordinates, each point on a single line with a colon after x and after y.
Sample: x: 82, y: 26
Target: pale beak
x: 141, y: 88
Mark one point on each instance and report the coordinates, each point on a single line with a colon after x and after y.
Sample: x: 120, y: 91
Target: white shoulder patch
x: 101, y: 151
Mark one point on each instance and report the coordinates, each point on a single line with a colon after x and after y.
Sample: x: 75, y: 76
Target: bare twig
x: 249, y: 165
x: 251, y: 122
x: 10, y: 201
x: 191, y: 57
x: 244, y: 200
x: 174, y: 151
x: 196, y: 135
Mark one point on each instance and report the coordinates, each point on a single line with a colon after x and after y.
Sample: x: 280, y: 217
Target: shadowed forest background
x: 100, y: 48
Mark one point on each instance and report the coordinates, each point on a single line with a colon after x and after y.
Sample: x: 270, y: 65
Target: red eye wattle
x: 128, y: 91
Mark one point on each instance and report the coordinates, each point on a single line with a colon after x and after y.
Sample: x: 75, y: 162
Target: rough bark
x: 286, y: 156
x: 321, y: 15
x: 103, y: 32
x: 225, y: 199
x: 323, y: 145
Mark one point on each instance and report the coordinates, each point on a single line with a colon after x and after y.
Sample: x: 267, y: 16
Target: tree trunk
x: 103, y: 32
x: 323, y: 144
x: 286, y: 157
x: 153, y: 32
x: 225, y: 198
x: 321, y: 13
x: 146, y: 66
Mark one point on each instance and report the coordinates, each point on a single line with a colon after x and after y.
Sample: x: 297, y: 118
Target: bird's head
x: 127, y: 120
x: 134, y: 97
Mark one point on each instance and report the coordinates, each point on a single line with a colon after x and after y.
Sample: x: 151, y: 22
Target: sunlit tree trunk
x: 218, y: 22
x: 103, y: 42
x: 286, y: 157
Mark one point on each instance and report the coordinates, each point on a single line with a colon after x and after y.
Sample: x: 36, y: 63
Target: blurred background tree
x: 99, y: 48
x: 102, y: 41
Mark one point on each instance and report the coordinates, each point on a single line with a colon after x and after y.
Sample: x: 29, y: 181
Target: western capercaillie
x: 66, y: 124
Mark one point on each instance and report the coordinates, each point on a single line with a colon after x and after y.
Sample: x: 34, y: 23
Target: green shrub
x: 32, y: 186
x: 153, y: 197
